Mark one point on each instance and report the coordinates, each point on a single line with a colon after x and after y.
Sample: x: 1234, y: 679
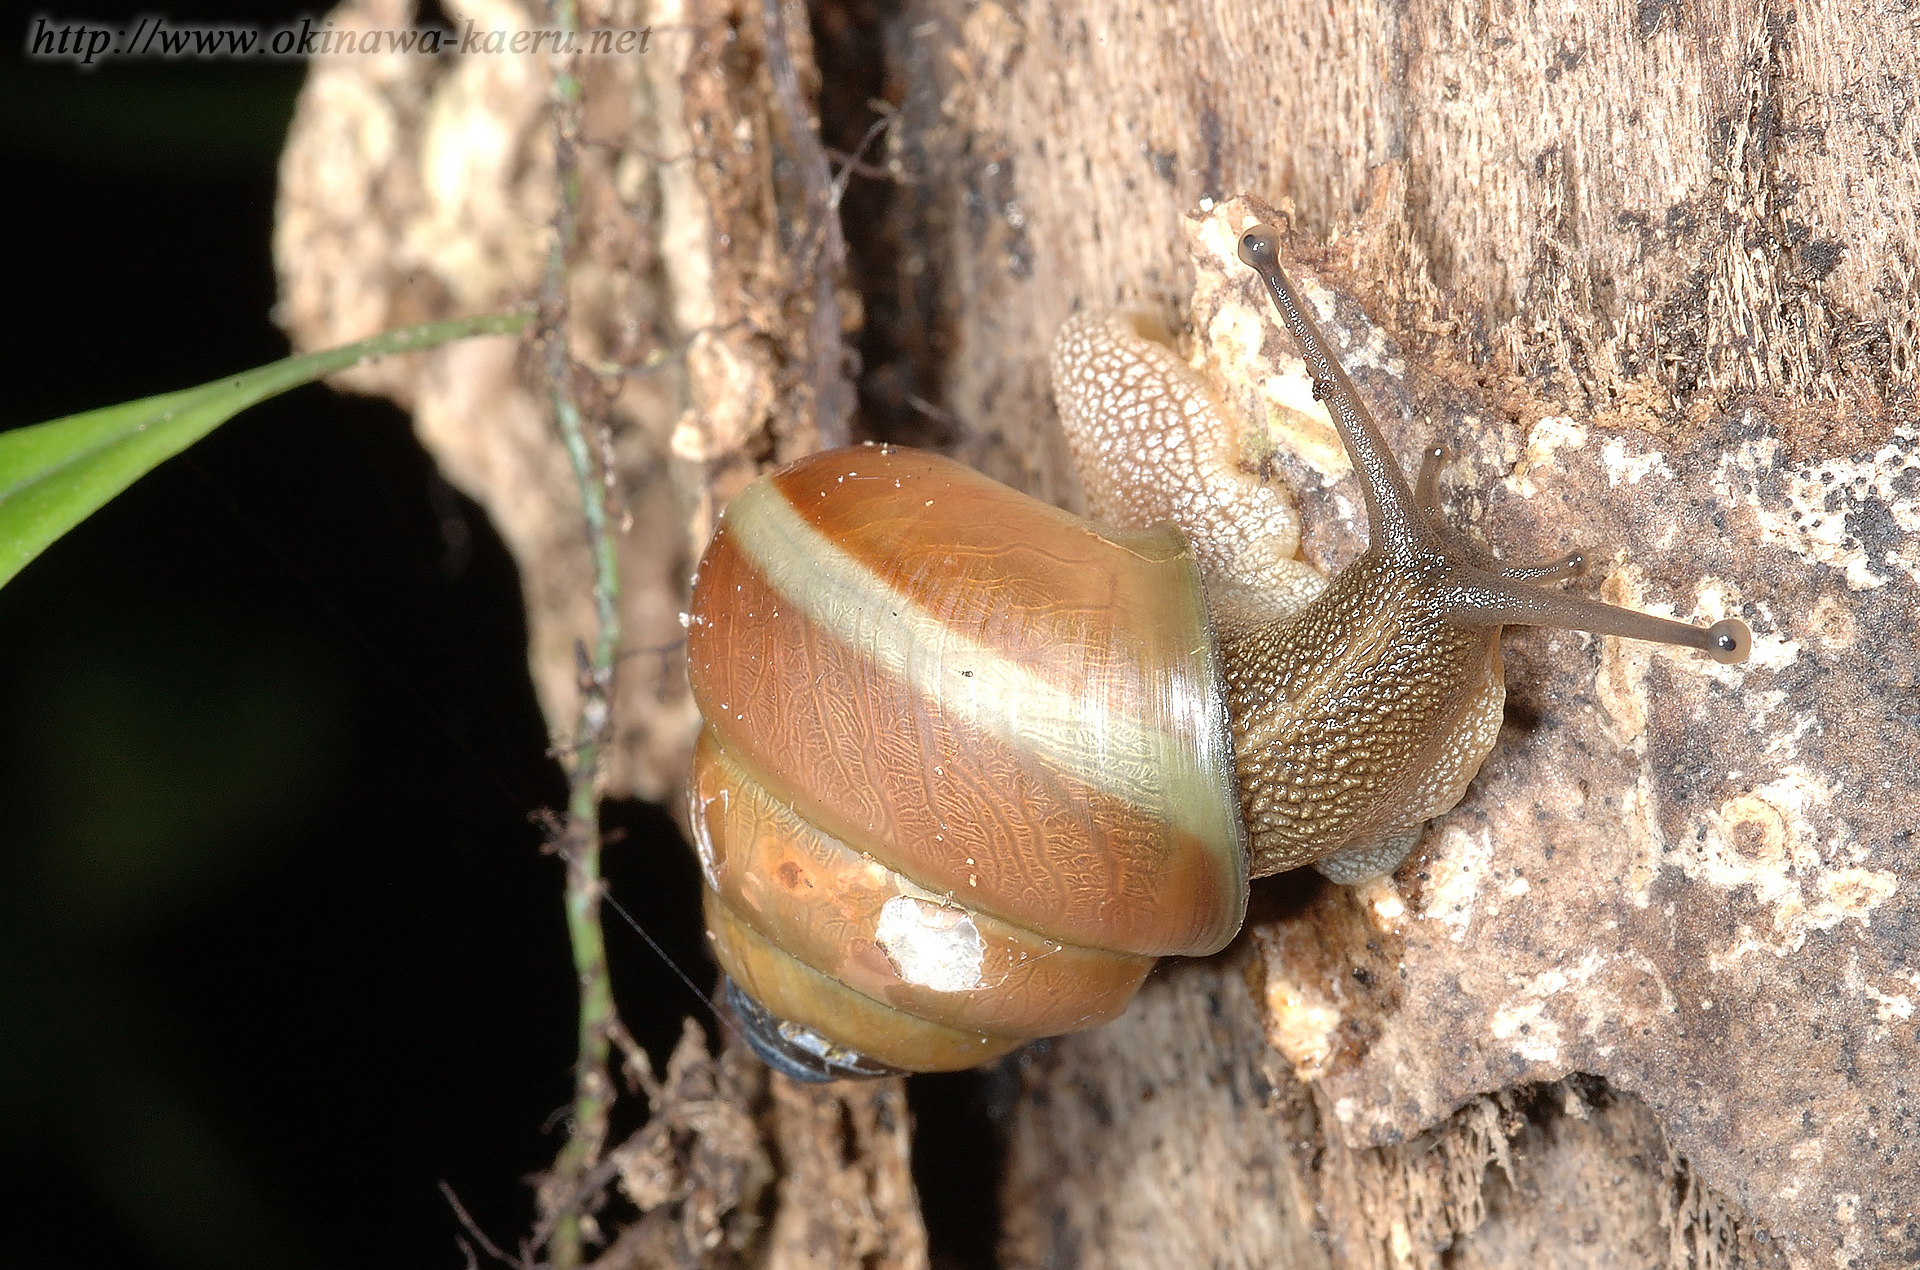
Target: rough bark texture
x: 1647, y: 996
x: 1565, y: 1174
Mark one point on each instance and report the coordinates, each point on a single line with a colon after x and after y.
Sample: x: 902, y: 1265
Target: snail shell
x: 966, y: 758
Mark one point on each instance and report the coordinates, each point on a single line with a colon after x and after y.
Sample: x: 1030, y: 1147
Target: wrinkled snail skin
x: 971, y: 763
x: 1370, y: 711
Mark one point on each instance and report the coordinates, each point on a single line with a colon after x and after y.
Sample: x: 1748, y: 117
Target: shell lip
x: 797, y: 1052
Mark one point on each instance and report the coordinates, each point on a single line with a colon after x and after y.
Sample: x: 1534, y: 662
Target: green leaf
x: 54, y: 475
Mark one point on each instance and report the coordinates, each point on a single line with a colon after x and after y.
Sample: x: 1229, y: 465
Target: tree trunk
x: 1647, y: 995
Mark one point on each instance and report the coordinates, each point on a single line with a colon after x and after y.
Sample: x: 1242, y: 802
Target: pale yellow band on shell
x: 1150, y: 767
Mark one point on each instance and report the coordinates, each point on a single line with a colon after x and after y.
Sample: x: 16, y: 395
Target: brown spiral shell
x: 966, y: 768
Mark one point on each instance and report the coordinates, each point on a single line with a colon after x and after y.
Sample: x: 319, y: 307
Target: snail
x: 971, y: 763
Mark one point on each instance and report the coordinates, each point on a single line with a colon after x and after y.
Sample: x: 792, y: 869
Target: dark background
x: 280, y: 952
x: 279, y: 949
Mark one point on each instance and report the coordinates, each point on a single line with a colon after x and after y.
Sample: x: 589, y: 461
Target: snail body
x: 971, y: 763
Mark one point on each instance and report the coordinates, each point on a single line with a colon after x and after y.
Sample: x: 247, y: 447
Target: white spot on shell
x: 930, y: 944
x: 809, y: 1040
x: 703, y: 845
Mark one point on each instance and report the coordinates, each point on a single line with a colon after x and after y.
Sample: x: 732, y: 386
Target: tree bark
x: 1647, y: 995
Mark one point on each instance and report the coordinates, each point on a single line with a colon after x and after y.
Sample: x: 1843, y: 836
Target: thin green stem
x: 580, y: 842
